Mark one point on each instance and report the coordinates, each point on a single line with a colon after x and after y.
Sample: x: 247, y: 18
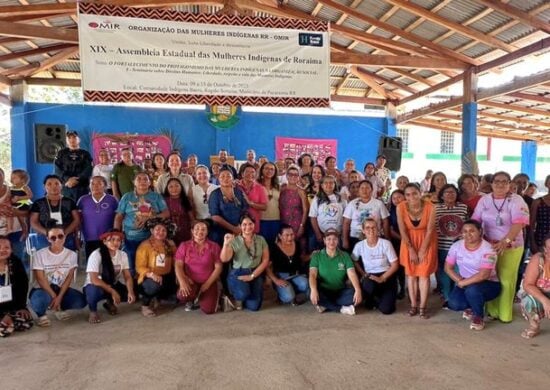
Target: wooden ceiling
x: 382, y: 51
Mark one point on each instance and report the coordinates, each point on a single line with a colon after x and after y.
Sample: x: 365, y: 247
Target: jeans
x: 334, y: 300
x: 474, y: 296
x: 94, y: 294
x: 130, y: 247
x: 18, y: 248
x: 444, y: 282
x: 249, y: 293
x: 299, y: 284
x: 381, y: 295
x: 150, y: 289
x: 40, y: 300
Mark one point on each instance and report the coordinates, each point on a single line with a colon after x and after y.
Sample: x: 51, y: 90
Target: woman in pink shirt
x: 471, y: 265
x: 198, y: 269
x: 503, y: 215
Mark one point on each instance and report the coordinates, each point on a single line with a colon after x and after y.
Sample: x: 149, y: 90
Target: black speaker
x: 391, y: 147
x: 48, y: 139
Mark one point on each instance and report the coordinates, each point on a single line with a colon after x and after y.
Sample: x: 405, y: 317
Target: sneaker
x: 238, y: 305
x: 477, y: 323
x: 349, y: 310
x: 445, y: 306
x: 467, y: 314
x: 188, y: 306
x: 320, y: 309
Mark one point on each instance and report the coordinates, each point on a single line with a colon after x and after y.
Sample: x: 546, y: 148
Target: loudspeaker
x: 391, y: 147
x: 48, y: 140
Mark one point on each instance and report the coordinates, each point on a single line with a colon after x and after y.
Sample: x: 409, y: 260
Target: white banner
x: 132, y: 55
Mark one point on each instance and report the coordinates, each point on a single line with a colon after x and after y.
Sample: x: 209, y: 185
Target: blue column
x: 529, y: 158
x: 390, y: 127
x: 22, y: 142
x: 469, y: 138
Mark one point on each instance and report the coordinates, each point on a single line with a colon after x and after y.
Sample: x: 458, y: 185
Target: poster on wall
x: 294, y: 147
x: 166, y: 56
x: 143, y: 146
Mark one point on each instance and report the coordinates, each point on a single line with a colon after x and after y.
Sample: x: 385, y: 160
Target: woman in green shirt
x: 250, y: 257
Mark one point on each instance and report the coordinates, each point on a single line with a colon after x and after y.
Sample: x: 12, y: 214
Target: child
x: 21, y: 196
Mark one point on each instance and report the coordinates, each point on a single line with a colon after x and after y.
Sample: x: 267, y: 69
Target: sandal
x: 43, y: 321
x: 6, y: 329
x: 94, y: 318
x: 111, y: 308
x: 423, y: 312
x: 532, y: 330
x: 62, y: 315
x: 412, y: 311
x: 147, y: 311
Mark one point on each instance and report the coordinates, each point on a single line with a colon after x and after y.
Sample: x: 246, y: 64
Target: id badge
x: 57, y: 216
x: 5, y: 294
x: 498, y: 221
x: 160, y: 261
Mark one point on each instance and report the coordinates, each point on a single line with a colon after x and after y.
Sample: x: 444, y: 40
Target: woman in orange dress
x: 418, y: 254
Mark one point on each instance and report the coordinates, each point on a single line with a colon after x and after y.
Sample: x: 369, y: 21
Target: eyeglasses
x: 55, y: 238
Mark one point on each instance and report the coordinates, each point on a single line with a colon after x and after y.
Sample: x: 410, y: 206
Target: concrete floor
x: 280, y: 347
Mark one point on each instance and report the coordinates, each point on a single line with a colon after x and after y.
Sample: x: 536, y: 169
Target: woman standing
x: 108, y: 276
x: 418, y: 253
x: 159, y: 167
x: 174, y: 171
x: 154, y: 265
x: 469, y: 195
x: 401, y: 182
x: 255, y: 194
x: 305, y: 162
x: 293, y: 205
x: 332, y: 169
x: 535, y: 293
x: 226, y: 205
x: 104, y: 169
x: 449, y: 218
x: 327, y: 210
x: 540, y: 219
x: 271, y: 216
x: 249, y: 256
x: 181, y: 212
x: 55, y: 206
x: 14, y: 315
x: 317, y: 174
x: 198, y: 270
x: 286, y: 268
x: 476, y: 279
x: 503, y: 215
x: 201, y: 192
x: 54, y: 268
x: 438, y: 181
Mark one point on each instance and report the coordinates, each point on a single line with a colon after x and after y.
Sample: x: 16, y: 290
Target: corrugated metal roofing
x: 526, y: 5
x: 373, y: 8
x: 460, y: 11
x: 514, y: 33
x: 402, y: 19
x: 490, y: 22
x: 429, y: 30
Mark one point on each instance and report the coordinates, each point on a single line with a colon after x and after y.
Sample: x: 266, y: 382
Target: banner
x: 295, y: 147
x: 164, y: 56
x: 143, y: 146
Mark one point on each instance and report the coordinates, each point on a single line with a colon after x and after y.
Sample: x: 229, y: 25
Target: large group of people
x: 213, y: 237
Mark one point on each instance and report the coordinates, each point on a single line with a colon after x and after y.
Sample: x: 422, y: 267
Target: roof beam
x: 431, y: 109
x: 521, y: 121
x: 518, y: 14
x: 32, y: 52
x: 517, y: 84
x: 27, y: 70
x: 397, y: 31
x: 515, y: 108
x: 37, y: 9
x: 371, y: 82
x: 350, y: 57
x: 54, y: 82
x: 4, y: 80
x: 530, y: 96
x: 5, y: 99
x: 520, y: 53
x: 480, y: 121
x: 466, y: 31
x: 413, y: 76
x: 427, y: 91
x: 386, y: 80
x: 358, y: 99
x: 28, y: 31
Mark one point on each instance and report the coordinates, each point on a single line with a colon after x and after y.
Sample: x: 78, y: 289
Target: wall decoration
x: 143, y: 146
x: 294, y: 147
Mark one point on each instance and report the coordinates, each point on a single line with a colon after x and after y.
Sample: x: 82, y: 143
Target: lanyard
x: 7, y: 276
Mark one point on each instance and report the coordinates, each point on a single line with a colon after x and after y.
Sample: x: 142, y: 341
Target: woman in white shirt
x: 378, y: 274
x: 108, y: 276
x: 201, y: 192
x: 54, y: 269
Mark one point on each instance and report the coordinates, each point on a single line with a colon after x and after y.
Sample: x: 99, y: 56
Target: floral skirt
x: 531, y: 308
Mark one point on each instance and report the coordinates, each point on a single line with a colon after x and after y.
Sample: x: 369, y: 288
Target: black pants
x: 381, y: 295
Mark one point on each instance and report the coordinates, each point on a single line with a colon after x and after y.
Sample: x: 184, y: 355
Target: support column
x: 391, y: 114
x: 469, y: 124
x: 22, y: 146
x: 529, y: 158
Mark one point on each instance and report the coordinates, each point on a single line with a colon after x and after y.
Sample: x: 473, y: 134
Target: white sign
x: 151, y: 56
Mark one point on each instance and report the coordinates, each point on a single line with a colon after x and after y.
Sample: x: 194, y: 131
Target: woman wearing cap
x: 249, y: 256
x: 503, y: 215
x: 476, y: 278
x: 201, y: 192
x: 329, y: 269
x: 154, y: 265
x: 108, y: 276
x: 54, y: 269
x: 198, y: 270
x: 380, y: 265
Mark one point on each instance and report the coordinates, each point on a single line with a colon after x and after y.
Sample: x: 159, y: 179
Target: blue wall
x: 357, y: 136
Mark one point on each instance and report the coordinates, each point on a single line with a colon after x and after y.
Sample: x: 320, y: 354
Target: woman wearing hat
x: 154, y: 264
x: 108, y: 276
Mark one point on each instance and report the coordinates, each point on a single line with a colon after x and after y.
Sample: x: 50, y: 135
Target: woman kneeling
x: 476, y: 280
x: 108, y: 276
x: 380, y: 264
x: 198, y: 269
x: 250, y: 256
x: 329, y: 270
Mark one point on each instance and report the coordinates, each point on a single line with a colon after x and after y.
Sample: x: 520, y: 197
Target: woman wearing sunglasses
x: 54, y: 268
x: 201, y: 192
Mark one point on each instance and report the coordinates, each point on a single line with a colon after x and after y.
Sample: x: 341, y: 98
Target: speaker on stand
x: 48, y: 140
x: 391, y: 147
